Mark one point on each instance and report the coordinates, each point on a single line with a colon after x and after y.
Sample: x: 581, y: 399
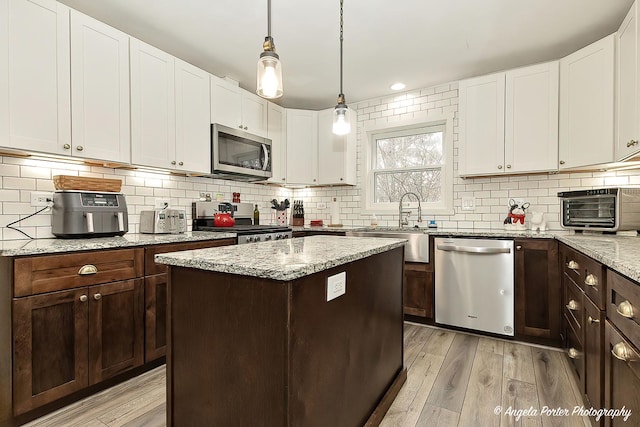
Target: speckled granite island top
x: 51, y: 246
x: 282, y: 259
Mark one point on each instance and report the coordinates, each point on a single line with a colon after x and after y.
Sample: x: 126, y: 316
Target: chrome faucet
x: 405, y: 221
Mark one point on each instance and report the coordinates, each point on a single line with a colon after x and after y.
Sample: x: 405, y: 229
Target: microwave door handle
x: 266, y: 157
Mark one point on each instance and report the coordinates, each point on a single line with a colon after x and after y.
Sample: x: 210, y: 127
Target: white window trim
x: 428, y: 209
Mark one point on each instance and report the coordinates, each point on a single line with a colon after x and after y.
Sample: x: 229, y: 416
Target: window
x: 413, y: 158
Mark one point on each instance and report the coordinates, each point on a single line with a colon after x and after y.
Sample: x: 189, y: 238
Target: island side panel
x: 346, y: 353
x: 226, y: 361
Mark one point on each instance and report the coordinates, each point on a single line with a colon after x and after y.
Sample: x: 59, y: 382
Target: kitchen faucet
x: 402, y: 222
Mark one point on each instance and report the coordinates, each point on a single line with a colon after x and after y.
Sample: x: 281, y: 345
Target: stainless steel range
x: 245, y: 230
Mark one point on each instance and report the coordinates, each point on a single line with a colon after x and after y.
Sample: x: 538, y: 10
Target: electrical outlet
x: 469, y: 203
x: 161, y: 203
x: 39, y: 198
x: 322, y: 205
x: 336, y: 285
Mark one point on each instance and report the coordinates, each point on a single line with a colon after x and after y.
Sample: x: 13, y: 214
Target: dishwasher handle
x: 474, y: 249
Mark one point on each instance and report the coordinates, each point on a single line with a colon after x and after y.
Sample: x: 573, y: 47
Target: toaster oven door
x: 589, y: 212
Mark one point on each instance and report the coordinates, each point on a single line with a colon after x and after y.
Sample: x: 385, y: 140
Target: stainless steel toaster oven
x: 604, y: 209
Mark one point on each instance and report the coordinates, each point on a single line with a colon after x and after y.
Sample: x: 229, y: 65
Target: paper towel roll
x: 335, y: 212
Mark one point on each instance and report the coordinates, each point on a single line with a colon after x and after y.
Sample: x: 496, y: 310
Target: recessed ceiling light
x: 398, y: 86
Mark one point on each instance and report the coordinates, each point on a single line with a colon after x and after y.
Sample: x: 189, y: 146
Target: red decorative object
x: 223, y: 220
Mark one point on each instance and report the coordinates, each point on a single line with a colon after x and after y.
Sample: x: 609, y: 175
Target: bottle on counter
x: 256, y: 216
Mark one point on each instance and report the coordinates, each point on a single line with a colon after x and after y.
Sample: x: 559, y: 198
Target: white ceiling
x: 419, y: 42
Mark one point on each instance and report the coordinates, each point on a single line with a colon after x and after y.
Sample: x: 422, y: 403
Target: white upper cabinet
x: 237, y: 108
x: 99, y: 90
x: 336, y: 154
x: 153, y: 124
x: 481, y: 125
x: 531, y: 119
x: 508, y: 122
x: 628, y: 92
x: 35, y: 110
x: 587, y: 98
x: 193, y: 127
x: 277, y: 133
x: 169, y: 111
x: 302, y: 147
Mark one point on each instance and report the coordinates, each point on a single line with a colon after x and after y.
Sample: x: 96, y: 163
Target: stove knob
x: 269, y: 237
x: 250, y: 239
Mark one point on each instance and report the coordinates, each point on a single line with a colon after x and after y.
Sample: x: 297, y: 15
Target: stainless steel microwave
x: 239, y: 155
x: 603, y: 209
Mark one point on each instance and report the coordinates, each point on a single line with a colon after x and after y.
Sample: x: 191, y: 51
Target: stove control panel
x: 265, y: 237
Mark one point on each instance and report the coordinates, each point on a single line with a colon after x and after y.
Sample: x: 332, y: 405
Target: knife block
x: 297, y: 221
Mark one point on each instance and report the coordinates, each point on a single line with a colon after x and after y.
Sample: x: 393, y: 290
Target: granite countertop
x: 50, y: 246
x: 282, y: 259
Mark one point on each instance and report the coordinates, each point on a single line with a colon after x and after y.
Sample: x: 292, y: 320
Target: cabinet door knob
x: 283, y: 179
x: 499, y: 166
x: 66, y: 146
x: 508, y: 166
x: 246, y: 128
x: 623, y: 352
x: 572, y: 305
x: 573, y: 353
x: 97, y: 297
x: 87, y: 270
x: 181, y: 164
x: 518, y: 248
x: 240, y: 126
x: 562, y: 162
x: 632, y: 143
x: 173, y: 162
x: 79, y: 148
x: 591, y: 320
x: 591, y: 280
x: 625, y: 309
x: 83, y: 298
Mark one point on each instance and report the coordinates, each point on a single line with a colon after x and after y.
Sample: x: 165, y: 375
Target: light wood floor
x: 454, y: 379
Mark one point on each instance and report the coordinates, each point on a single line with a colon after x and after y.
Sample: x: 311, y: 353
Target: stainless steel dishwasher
x: 474, y: 284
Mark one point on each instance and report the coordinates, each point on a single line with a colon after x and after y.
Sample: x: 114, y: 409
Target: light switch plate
x: 468, y: 203
x: 336, y: 285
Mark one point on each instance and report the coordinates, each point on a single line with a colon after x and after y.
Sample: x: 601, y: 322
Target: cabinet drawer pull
x: 573, y: 353
x: 97, y: 297
x: 622, y: 352
x: 625, y: 309
x: 573, y: 265
x: 591, y: 280
x: 572, y: 305
x: 632, y: 143
x: 83, y: 298
x: 591, y: 320
x: 87, y: 270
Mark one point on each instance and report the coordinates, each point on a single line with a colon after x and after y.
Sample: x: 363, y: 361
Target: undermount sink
x: 415, y: 250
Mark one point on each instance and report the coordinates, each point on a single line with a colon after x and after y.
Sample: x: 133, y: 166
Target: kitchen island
x: 302, y: 332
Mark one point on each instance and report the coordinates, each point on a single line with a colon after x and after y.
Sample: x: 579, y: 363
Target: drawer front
x: 623, y: 306
x: 573, y: 305
x: 593, y: 352
x: 575, y: 354
x: 587, y: 273
x: 151, y: 268
x: 47, y: 273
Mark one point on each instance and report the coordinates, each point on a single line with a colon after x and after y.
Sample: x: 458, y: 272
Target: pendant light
x: 341, y: 114
x: 269, y: 69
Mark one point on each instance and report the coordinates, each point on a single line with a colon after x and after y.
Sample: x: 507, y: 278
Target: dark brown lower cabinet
x: 538, y: 296
x: 593, y: 349
x: 621, y: 377
x: 418, y: 289
x: 155, y: 316
x: 64, y: 341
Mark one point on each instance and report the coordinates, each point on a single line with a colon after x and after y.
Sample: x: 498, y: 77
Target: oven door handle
x: 266, y: 157
x: 474, y: 249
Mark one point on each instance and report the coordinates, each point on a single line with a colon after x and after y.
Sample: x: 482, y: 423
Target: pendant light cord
x: 341, y: 38
x: 269, y: 18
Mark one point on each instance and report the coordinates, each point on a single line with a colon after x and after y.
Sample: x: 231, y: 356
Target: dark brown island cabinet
x: 248, y: 351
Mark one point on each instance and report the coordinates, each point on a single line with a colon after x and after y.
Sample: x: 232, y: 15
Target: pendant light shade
x: 269, y: 83
x: 341, y: 114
